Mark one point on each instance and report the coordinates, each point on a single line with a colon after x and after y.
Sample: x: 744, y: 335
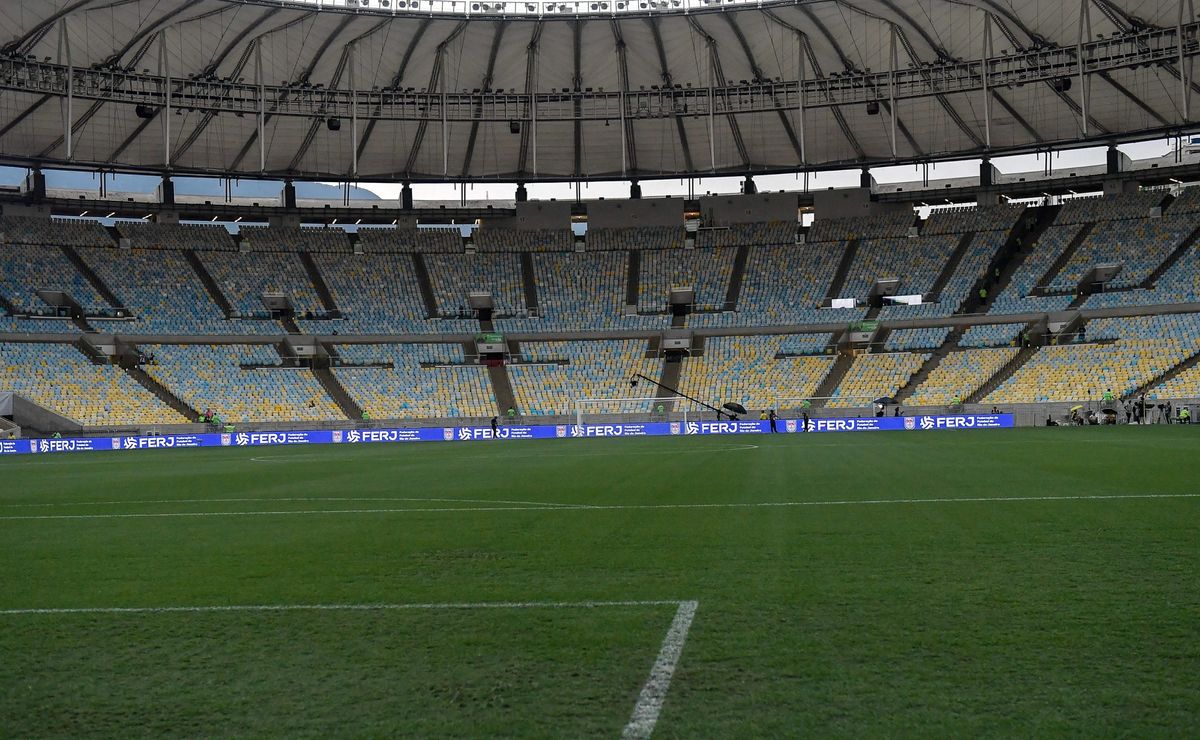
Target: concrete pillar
x: 987, y: 173
x: 35, y: 183
x: 166, y: 191
x: 522, y: 193
x: 1116, y: 162
x: 406, y: 199
x: 635, y: 190
x: 864, y: 178
x: 748, y: 186
x: 289, y: 194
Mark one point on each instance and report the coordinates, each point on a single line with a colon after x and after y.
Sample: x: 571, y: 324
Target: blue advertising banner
x: 470, y: 434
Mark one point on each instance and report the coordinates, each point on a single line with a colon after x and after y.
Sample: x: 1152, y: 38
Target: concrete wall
x: 723, y: 210
x: 286, y: 220
x: 625, y: 213
x: 530, y: 216
x: 852, y: 203
x: 27, y: 211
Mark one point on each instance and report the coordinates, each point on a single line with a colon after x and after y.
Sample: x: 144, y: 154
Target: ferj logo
x: 910, y: 423
x: 790, y: 425
x: 226, y: 440
x: 927, y: 422
x: 130, y: 443
x: 337, y: 436
x: 674, y: 427
x: 560, y: 430
x: 693, y: 428
x: 242, y: 439
x: 448, y: 434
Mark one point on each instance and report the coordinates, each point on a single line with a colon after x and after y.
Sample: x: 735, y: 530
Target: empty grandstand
x: 599, y: 368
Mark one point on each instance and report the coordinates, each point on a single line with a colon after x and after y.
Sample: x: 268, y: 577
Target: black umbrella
x: 736, y: 408
x: 886, y: 401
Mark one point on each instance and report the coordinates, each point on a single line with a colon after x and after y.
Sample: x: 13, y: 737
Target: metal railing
x: 1143, y: 48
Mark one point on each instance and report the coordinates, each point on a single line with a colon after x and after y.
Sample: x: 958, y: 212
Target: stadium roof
x: 524, y: 91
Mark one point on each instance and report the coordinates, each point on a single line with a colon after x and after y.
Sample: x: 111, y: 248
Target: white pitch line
x: 344, y: 607
x: 654, y: 692
x: 60, y: 504
x: 611, y: 507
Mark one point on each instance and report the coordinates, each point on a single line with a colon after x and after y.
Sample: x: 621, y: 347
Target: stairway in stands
x: 1176, y: 255
x: 935, y: 359
x: 632, y: 281
x: 843, y: 269
x: 1169, y: 374
x: 163, y: 393
x: 835, y: 376
x: 1001, y: 375
x: 1063, y: 258
x: 319, y: 284
x: 209, y: 283
x: 734, y: 291
x: 1020, y: 243
x: 289, y: 323
x: 960, y: 251
x: 90, y: 275
x: 498, y: 376
x: 672, y: 371
x: 529, y: 282
x: 337, y: 392
x: 425, y: 285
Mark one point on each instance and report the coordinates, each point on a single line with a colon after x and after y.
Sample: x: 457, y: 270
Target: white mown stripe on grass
x: 654, y: 692
x: 613, y: 507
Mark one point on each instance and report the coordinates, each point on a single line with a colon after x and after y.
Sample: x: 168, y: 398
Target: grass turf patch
x: 984, y: 617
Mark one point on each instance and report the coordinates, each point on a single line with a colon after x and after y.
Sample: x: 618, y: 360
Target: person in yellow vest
x: 1108, y: 396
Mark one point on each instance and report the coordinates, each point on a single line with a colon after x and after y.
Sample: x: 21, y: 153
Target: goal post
x: 800, y: 404
x: 633, y: 410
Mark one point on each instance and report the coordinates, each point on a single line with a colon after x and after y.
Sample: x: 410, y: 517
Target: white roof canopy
x: 345, y: 91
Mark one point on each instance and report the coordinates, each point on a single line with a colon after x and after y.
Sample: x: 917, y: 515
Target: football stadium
x: 599, y: 368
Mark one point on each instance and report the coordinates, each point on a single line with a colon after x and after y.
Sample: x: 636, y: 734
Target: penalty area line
x: 654, y: 691
x: 645, y: 711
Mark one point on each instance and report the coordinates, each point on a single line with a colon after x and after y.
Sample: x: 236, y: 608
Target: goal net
x: 634, y: 410
x: 830, y: 405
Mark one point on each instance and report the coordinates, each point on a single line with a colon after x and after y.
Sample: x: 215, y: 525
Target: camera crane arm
x: 639, y: 376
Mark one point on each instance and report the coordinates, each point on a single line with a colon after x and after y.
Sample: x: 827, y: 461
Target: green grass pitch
x: 839, y: 592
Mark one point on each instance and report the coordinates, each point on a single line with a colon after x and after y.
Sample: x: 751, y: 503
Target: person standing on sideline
x: 495, y: 427
x: 805, y: 427
x: 773, y: 419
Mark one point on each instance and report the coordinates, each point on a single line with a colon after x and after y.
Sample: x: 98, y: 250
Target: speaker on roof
x: 334, y: 124
x: 145, y: 111
x: 514, y: 127
x: 1061, y: 85
x: 873, y: 108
